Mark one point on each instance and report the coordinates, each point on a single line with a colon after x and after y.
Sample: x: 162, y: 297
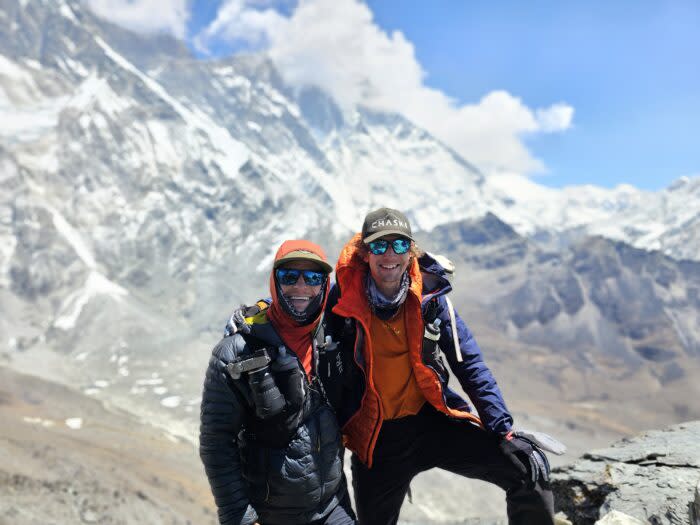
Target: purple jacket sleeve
x: 472, y: 373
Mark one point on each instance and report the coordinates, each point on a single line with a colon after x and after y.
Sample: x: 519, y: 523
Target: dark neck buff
x: 311, y: 311
x: 381, y: 306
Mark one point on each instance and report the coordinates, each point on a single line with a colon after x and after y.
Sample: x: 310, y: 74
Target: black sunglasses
x: 289, y: 276
x: 400, y: 246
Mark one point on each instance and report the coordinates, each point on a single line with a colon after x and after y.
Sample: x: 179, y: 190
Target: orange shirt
x: 392, y: 372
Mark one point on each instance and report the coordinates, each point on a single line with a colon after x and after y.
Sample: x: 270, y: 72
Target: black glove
x: 526, y: 456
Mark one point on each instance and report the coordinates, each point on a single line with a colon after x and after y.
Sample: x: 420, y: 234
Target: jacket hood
x: 302, y: 250
x: 434, y: 276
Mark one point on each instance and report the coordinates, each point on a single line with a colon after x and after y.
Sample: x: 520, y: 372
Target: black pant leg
x: 467, y: 450
x: 380, y: 490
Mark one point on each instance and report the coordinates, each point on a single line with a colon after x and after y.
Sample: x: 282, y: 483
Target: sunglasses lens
x: 314, y: 278
x: 401, y: 246
x: 378, y: 247
x: 287, y: 276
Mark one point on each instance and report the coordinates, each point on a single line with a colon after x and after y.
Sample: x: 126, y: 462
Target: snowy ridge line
x: 234, y: 153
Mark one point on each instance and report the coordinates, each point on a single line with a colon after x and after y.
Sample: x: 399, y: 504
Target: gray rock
x: 618, y: 518
x: 652, y: 477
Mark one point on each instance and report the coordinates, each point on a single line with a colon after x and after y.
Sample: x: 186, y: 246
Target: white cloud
x: 555, y: 118
x: 237, y: 21
x: 336, y: 45
x: 149, y: 16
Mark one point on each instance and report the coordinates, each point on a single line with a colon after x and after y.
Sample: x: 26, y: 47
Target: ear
x: 365, y: 256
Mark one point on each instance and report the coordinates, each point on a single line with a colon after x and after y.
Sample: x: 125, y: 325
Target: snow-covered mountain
x: 132, y: 171
x: 667, y: 220
x: 101, y: 108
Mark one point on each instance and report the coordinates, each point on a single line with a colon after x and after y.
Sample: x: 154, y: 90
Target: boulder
x: 652, y: 477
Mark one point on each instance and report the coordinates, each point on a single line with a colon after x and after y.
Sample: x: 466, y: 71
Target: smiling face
x: 300, y: 294
x: 386, y: 269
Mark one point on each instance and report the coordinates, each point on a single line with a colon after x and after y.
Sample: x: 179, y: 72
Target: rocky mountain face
x: 650, y: 478
x: 602, y: 321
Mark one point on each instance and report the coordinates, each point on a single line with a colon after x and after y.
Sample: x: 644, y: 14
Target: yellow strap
x: 261, y: 316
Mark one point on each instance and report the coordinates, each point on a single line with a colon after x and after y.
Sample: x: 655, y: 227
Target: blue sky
x: 593, y: 92
x: 631, y: 70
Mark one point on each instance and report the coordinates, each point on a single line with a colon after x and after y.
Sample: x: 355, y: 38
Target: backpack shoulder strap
x: 453, y: 324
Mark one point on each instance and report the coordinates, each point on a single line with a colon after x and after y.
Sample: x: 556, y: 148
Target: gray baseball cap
x: 385, y: 221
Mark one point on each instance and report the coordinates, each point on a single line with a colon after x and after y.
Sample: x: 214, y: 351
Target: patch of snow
x: 101, y: 122
x: 171, y: 401
x: 72, y: 307
x: 149, y: 382
x: 24, y: 124
x: 97, y: 91
x: 73, y: 237
x: 66, y: 11
x: 101, y: 383
x: 81, y: 356
x: 162, y: 143
x: 235, y: 82
x: 71, y: 48
x: 91, y: 391
x: 74, y: 423
x: 9, y: 68
x: 46, y: 423
x: 34, y: 64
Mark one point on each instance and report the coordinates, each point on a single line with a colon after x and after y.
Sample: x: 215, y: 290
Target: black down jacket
x: 284, y: 469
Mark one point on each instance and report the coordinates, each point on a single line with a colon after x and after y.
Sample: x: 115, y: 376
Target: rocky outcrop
x: 653, y: 477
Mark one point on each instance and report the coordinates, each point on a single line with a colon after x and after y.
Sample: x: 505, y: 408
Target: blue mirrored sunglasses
x: 289, y: 276
x: 400, y: 246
